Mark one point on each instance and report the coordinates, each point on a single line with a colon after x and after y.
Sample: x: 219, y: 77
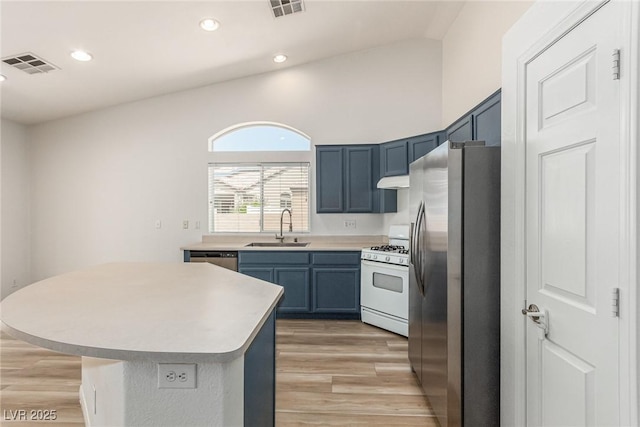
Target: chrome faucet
x: 281, y: 236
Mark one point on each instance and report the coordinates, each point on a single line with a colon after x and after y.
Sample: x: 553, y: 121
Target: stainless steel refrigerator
x: 454, y: 281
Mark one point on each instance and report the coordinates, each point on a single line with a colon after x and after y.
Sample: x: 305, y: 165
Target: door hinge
x: 615, y: 302
x: 616, y: 64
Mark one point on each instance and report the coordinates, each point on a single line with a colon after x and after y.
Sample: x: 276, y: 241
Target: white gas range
x: 384, y: 282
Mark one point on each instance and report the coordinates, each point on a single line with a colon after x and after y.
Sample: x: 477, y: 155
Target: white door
x: 573, y: 211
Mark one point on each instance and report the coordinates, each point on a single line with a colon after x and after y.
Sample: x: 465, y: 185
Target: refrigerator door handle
x: 413, y: 238
x: 416, y: 250
x: 412, y: 227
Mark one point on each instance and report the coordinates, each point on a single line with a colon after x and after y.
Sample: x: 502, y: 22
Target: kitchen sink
x: 278, y: 244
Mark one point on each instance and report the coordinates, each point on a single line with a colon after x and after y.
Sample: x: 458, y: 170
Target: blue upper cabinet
x: 359, y: 176
x: 346, y: 180
x: 393, y: 158
x: 422, y: 144
x: 462, y: 130
x: 482, y: 123
x: 486, y: 120
x: 329, y: 179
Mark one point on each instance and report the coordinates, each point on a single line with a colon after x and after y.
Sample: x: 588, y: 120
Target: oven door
x: 384, y: 287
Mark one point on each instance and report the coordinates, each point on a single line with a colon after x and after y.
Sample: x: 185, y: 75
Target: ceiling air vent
x: 286, y: 7
x: 29, y: 63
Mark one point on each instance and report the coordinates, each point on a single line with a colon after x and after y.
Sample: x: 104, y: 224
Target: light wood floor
x: 329, y: 373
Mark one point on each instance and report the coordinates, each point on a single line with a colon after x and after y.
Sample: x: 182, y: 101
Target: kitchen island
x: 214, y: 327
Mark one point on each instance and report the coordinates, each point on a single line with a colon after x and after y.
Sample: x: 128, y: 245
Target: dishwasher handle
x: 213, y: 254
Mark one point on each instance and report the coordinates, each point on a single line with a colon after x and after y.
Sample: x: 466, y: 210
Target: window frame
x: 261, y: 165
x: 262, y: 157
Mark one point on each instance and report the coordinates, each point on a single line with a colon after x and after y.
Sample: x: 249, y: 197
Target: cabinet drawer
x: 335, y: 258
x: 274, y: 257
x: 259, y: 273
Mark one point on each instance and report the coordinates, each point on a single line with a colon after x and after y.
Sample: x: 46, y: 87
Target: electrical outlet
x: 350, y: 223
x: 158, y: 224
x: 185, y: 224
x: 176, y: 375
x: 197, y: 225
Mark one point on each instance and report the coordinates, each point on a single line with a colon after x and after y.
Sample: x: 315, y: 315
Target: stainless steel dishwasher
x: 226, y: 259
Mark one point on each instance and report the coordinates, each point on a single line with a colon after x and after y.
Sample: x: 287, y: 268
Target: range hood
x: 394, y: 182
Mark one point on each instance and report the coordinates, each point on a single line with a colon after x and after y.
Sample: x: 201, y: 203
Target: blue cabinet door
x: 346, y: 178
x: 462, y: 130
x: 487, y: 120
x: 295, y: 281
x: 359, y: 163
x: 336, y: 290
x: 394, y: 158
x: 329, y: 179
x: 421, y: 145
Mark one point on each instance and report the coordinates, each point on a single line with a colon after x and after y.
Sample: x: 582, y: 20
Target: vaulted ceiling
x: 143, y: 49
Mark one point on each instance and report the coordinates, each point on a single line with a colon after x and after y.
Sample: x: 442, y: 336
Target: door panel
x: 569, y: 91
x: 568, y: 383
x: 565, y: 177
x: 572, y: 226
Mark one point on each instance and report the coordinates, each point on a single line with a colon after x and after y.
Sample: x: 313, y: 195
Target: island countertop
x: 177, y: 312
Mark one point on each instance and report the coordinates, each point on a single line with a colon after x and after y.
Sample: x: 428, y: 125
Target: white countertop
x: 164, y: 312
x: 231, y: 242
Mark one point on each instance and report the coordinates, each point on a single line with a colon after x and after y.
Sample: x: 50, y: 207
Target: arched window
x: 256, y: 174
x: 260, y: 136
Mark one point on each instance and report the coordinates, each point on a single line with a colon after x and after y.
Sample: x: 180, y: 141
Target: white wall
x: 100, y: 180
x: 472, y: 54
x: 15, y: 171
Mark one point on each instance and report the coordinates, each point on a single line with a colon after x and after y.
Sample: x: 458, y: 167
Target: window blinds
x: 251, y: 197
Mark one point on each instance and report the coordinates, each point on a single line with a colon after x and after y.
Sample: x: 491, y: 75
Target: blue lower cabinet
x: 336, y: 290
x: 323, y: 284
x: 260, y: 377
x: 295, y: 282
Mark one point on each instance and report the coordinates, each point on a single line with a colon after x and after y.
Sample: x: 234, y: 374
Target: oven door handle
x: 383, y: 265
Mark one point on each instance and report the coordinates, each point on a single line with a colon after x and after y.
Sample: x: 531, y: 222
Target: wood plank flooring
x: 329, y: 373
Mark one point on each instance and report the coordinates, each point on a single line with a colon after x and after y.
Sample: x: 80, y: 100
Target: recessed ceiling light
x: 279, y: 58
x: 209, y: 24
x: 81, y: 55
x: 2, y: 78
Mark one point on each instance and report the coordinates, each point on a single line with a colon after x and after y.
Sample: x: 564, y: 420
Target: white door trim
x: 543, y: 23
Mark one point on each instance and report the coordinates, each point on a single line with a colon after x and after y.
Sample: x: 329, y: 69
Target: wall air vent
x: 29, y: 63
x: 286, y: 7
